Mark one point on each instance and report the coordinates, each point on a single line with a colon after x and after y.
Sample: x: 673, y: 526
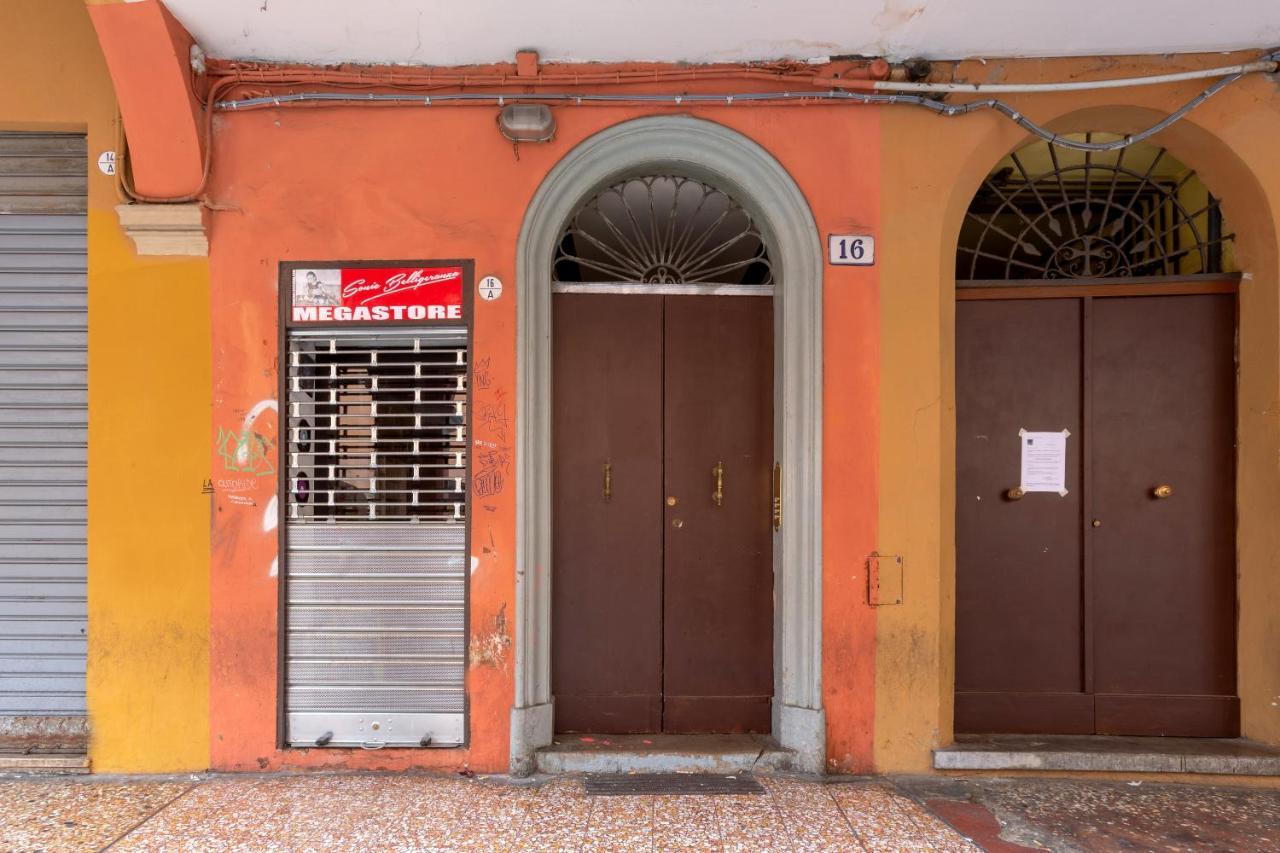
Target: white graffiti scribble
x: 242, y: 451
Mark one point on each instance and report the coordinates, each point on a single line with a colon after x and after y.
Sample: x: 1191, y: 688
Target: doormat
x: 616, y: 784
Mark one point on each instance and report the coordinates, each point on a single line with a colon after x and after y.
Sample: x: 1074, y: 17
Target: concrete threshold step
x: 727, y: 754
x: 46, y: 762
x: 1217, y: 756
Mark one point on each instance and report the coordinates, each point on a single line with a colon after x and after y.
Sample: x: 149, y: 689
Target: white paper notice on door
x: 1044, y: 461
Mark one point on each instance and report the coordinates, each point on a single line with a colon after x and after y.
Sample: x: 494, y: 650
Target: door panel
x: 606, y: 640
x: 718, y: 597
x: 1019, y: 621
x: 1110, y: 611
x: 1164, y: 580
x: 1174, y: 716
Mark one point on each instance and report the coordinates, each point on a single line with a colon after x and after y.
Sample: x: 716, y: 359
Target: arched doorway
x: 1095, y: 446
x: 710, y: 161
x: 662, y: 458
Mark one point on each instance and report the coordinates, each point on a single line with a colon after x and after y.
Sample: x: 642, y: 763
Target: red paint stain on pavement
x: 977, y: 823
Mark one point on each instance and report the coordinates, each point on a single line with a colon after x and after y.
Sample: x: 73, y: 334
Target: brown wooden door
x: 1163, y: 395
x: 718, y: 587
x: 1019, y: 585
x: 606, y: 641
x: 662, y: 612
x: 1108, y: 610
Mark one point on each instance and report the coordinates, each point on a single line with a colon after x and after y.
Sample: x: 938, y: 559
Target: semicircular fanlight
x: 662, y: 229
x: 1048, y: 214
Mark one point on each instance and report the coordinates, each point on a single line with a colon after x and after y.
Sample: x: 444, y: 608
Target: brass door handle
x: 1161, y: 492
x: 717, y: 496
x: 607, y: 491
x: 1015, y: 494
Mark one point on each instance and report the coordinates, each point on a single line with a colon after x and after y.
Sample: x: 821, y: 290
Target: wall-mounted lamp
x: 527, y: 123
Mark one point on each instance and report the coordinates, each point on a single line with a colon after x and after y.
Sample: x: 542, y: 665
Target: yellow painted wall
x: 149, y: 380
x: 930, y: 169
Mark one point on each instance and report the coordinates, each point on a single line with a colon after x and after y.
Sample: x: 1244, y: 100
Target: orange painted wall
x: 385, y: 183
x: 149, y: 53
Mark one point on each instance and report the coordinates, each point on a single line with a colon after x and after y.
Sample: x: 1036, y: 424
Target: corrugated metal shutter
x: 375, y: 567
x: 43, y: 424
x: 43, y: 173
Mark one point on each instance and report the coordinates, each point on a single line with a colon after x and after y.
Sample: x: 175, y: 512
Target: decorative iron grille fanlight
x: 662, y: 229
x: 1134, y: 212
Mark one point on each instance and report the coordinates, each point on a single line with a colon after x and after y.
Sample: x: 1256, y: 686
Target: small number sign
x: 490, y: 288
x: 857, y: 250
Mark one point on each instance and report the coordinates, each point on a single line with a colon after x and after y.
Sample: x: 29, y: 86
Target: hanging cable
x: 864, y: 85
x: 1266, y: 65
x: 219, y: 88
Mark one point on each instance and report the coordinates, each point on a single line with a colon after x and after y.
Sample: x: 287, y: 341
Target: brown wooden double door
x: 662, y: 590
x: 1110, y: 610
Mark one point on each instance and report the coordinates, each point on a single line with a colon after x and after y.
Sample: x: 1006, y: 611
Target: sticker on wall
x: 856, y: 250
x: 490, y: 288
x: 107, y: 162
x: 376, y: 294
x: 1044, y: 461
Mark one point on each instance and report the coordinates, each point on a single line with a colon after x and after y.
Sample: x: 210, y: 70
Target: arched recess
x: 726, y: 159
x: 1256, y: 248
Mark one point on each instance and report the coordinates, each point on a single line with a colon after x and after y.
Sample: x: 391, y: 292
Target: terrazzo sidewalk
x: 428, y: 812
x: 433, y: 812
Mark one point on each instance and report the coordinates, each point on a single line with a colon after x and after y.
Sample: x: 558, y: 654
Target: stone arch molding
x: 728, y: 160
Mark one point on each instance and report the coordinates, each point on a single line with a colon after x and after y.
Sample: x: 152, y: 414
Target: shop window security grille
x: 376, y: 545
x: 377, y: 427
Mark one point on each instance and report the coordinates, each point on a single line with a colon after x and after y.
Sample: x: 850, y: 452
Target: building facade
x: 125, y: 643
x: 531, y: 401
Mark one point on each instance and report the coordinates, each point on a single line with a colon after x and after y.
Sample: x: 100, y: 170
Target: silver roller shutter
x: 376, y: 560
x: 43, y: 425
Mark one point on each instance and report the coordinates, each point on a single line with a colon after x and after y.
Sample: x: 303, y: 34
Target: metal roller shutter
x: 43, y: 424
x: 375, y: 564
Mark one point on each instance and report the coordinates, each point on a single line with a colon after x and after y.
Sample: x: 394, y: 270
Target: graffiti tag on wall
x: 246, y: 452
x: 493, y: 466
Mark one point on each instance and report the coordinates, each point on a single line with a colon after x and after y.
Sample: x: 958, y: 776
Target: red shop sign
x: 376, y: 294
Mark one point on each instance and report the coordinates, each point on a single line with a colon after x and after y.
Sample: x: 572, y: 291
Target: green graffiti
x: 247, y: 452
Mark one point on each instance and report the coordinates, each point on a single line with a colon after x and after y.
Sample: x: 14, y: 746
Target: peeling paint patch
x: 490, y: 643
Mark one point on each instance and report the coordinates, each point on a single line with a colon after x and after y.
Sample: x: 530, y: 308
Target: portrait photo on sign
x: 317, y: 287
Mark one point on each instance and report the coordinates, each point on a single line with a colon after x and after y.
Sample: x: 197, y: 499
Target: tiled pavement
x: 427, y: 812
x: 433, y: 812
